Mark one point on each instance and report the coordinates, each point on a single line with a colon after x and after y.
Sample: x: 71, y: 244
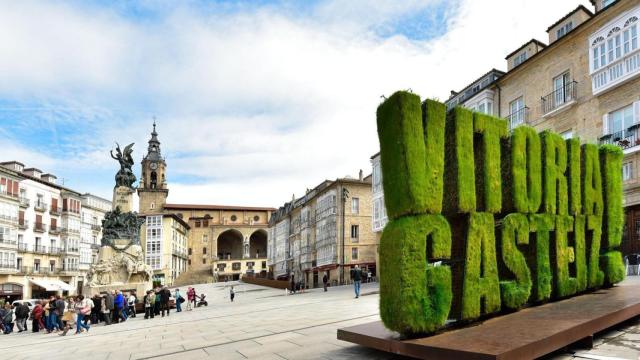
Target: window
x: 52, y: 265
x: 205, y: 238
x: 564, y: 30
x: 152, y: 206
x: 190, y: 251
x: 567, y: 134
x: 234, y: 218
x: 36, y: 265
x: 204, y: 251
x: 205, y: 223
x: 264, y: 264
x: 354, y: 253
x: 620, y: 120
x: 235, y: 266
x: 561, y: 89
x: 256, y: 218
x: 189, y: 262
x: 204, y: 261
x: 627, y: 171
x: 516, y: 117
x: 355, y: 205
x: 197, y: 223
x: 606, y: 3
x: 354, y: 231
x: 520, y: 58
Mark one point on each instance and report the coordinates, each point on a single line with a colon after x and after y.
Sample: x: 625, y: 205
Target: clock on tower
x: 153, y: 190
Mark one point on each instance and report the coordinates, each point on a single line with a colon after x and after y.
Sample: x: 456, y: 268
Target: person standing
x: 152, y: 303
x: 148, y: 305
x: 7, y: 318
x: 118, y: 306
x: 156, y: 304
x: 165, y: 294
x: 96, y: 309
x: 22, y: 313
x: 179, y: 300
x: 325, y: 282
x: 232, y: 294
x: 191, y: 298
x: 83, y: 308
x: 36, y: 316
x: 132, y: 304
x: 109, y: 301
x: 106, y: 316
x: 356, y: 275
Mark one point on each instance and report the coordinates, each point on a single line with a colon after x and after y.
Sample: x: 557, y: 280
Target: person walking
x: 165, y: 294
x: 69, y: 316
x: 132, y: 304
x: 83, y: 308
x: 22, y: 314
x: 325, y: 282
x: 232, y: 294
x: 36, y: 317
x: 191, y: 297
x: 118, y: 306
x: 7, y: 318
x: 356, y: 276
x: 59, y: 308
x: 179, y: 300
x: 156, y: 304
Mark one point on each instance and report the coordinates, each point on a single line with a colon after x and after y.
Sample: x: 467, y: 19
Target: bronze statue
x: 124, y: 177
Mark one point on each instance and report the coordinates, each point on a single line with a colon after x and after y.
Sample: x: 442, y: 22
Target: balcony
x: 55, y: 251
x: 178, y: 253
x: 7, y: 242
x: 71, y: 250
x: 518, y: 117
x: 40, y: 206
x: 96, y: 227
x: 23, y: 224
x: 5, y: 193
x: 626, y: 139
x: 22, y: 247
x: 69, y: 231
x: 559, y: 98
x: 8, y: 218
x: 40, y: 249
x: 8, y: 266
x: 40, y: 227
x: 70, y: 211
x: 69, y: 270
x: 54, y: 230
x: 57, y: 210
x: 24, y: 202
x: 616, y: 73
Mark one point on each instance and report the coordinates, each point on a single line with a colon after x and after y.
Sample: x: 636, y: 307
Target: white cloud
x: 256, y: 104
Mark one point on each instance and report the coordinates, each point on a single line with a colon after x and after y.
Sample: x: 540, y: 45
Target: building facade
x: 192, y: 243
x: 584, y: 83
x: 93, y: 209
x: 43, y: 254
x: 325, y: 232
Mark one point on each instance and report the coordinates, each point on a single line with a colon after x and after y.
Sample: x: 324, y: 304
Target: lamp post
x: 345, y: 196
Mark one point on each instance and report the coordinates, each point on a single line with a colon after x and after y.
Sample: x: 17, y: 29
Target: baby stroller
x: 201, y: 301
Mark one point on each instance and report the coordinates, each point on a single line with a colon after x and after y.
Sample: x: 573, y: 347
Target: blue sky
x: 255, y: 100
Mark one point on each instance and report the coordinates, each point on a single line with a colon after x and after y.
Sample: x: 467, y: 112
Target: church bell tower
x: 153, y: 190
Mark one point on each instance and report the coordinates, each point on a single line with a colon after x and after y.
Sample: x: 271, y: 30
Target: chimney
x: 360, y: 175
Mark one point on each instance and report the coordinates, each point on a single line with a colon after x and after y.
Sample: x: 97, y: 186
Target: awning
x: 52, y: 285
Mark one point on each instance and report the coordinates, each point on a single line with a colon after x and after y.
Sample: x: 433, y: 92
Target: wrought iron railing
x: 40, y: 206
x: 624, y: 138
x: 559, y: 97
x: 24, y: 202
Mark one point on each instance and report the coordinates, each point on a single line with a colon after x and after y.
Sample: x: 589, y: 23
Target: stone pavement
x: 262, y: 323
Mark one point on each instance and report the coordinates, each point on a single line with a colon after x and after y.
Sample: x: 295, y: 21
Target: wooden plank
x: 526, y: 334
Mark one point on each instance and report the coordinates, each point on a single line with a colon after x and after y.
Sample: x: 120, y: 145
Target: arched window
x: 152, y: 206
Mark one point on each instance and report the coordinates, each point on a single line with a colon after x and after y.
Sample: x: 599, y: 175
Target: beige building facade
x: 325, y: 232
x: 584, y: 83
x: 41, y: 253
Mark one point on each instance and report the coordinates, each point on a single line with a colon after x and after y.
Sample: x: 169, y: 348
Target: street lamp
x: 345, y: 196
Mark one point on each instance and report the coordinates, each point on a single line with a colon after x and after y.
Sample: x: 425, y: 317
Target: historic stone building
x: 41, y: 252
x: 326, y: 231
x: 583, y: 83
x: 189, y: 243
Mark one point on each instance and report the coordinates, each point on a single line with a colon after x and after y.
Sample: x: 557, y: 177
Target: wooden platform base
x: 526, y: 334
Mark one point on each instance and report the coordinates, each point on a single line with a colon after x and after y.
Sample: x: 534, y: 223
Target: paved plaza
x: 262, y: 323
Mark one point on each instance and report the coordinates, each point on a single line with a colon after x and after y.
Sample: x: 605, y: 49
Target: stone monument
x: 121, y: 264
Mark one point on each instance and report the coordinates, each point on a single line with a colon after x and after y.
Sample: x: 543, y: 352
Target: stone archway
x: 230, y: 244
x: 258, y: 244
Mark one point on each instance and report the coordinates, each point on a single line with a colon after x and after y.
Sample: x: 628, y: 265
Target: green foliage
x: 402, y: 154
x: 573, y: 157
x: 493, y: 130
x: 515, y: 231
x: 579, y: 246
x: 415, y: 297
x: 435, y: 114
x: 614, y: 268
x: 460, y: 187
x: 595, y: 276
x: 554, y: 164
x: 611, y: 161
x: 526, y: 169
x: 565, y: 254
x: 592, y: 181
x: 480, y: 284
x: 541, y: 225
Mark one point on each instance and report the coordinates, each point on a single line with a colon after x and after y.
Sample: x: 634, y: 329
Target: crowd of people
x: 59, y: 315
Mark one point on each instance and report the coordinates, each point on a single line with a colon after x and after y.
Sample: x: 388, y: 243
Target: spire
x: 153, y: 151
